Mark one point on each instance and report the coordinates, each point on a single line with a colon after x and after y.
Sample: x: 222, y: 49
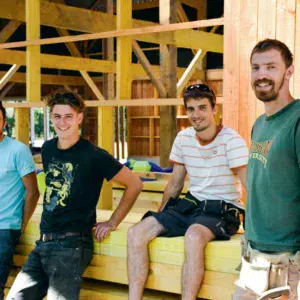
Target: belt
x: 46, y: 237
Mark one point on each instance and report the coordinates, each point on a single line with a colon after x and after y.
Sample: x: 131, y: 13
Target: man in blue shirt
x: 18, y: 196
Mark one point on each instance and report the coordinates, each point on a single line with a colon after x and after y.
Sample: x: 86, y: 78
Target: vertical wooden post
x: 168, y: 58
x: 33, y: 75
x: 105, y: 115
x: 124, y: 58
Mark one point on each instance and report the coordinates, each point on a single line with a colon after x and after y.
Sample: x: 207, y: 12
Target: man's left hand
x: 103, y: 230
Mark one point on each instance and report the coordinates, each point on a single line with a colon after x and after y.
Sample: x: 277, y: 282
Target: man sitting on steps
x: 215, y: 158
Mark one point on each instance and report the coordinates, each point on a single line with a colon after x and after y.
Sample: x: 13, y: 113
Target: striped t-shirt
x: 209, y: 167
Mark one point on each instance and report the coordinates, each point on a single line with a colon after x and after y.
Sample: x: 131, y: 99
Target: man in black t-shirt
x: 75, y: 170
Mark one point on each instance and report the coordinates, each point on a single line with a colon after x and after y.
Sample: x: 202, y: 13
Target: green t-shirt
x: 273, y: 178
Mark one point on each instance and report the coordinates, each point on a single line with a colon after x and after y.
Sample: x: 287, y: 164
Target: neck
x: 208, y: 134
x: 1, y: 136
x: 64, y: 144
x: 275, y: 106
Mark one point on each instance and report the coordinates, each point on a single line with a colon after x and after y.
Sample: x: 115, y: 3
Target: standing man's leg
x: 195, y: 240
x: 139, y: 236
x: 31, y: 283
x: 8, y: 241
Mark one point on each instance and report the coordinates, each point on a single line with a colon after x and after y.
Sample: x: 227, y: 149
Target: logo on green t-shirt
x: 260, y: 151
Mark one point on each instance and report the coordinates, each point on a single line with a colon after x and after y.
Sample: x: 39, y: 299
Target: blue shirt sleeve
x: 24, y: 161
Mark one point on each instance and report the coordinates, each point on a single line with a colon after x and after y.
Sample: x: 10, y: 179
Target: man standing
x: 273, y: 203
x: 213, y: 157
x: 18, y: 196
x: 75, y: 170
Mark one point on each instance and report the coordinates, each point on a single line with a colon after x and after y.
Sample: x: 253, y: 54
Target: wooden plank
x: 185, y: 78
x: 8, y: 75
x: 297, y: 53
x: 213, y: 42
x: 105, y: 115
x: 9, y: 30
x: 48, y: 79
x: 113, y: 103
x: 248, y: 39
x: 168, y: 59
x: 148, y: 68
x: 232, y: 16
x: 266, y: 29
x: 22, y: 129
x: 285, y: 23
x: 77, y: 63
x: 63, y: 16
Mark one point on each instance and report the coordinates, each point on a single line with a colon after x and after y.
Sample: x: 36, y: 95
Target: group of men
x: 217, y: 162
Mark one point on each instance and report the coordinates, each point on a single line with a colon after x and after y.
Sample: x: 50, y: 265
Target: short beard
x: 201, y: 128
x: 268, y: 96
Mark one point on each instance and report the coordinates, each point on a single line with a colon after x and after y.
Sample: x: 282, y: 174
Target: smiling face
x: 269, y: 75
x: 66, y: 121
x: 200, y: 113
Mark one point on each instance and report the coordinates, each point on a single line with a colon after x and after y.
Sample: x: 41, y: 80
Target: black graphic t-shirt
x: 74, y: 179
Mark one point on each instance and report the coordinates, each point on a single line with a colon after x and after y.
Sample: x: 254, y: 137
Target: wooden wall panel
x: 246, y: 23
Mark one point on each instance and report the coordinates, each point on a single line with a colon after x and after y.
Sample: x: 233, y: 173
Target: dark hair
x: 65, y: 98
x: 2, y: 109
x: 199, y: 91
x: 270, y: 44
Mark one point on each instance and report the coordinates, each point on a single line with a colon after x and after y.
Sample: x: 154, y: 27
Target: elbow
x: 139, y: 184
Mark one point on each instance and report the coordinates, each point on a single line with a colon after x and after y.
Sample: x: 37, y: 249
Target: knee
x: 136, y: 236
x: 197, y: 236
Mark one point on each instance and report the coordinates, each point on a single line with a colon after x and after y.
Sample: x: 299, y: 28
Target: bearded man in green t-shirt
x: 271, y: 250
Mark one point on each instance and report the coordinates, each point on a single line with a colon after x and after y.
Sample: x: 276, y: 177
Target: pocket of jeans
x: 87, y: 255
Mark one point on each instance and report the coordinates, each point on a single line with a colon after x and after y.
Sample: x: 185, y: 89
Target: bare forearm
x: 171, y: 190
x: 29, y: 207
x: 128, y: 199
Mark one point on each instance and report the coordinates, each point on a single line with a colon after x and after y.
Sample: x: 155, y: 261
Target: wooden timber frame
x: 245, y: 23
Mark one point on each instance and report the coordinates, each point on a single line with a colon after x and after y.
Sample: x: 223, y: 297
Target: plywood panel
x: 266, y: 29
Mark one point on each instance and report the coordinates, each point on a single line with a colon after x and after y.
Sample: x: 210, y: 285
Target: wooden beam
x: 75, y: 63
x: 148, y: 69
x: 6, y: 89
x: 48, y: 79
x: 297, y: 53
x: 72, y: 18
x: 214, y: 40
x: 124, y: 54
x: 33, y: 53
x: 10, y: 73
x: 168, y: 58
x: 185, y: 78
x: 112, y: 103
x: 105, y: 132
x: 75, y: 52
x: 9, y: 30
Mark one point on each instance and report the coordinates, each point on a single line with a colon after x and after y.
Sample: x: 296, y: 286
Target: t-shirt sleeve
x: 176, y: 151
x: 24, y: 161
x: 237, y: 152
x: 109, y: 166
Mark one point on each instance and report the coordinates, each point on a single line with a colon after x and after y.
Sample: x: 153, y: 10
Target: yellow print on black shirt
x: 59, y: 179
x: 260, y: 151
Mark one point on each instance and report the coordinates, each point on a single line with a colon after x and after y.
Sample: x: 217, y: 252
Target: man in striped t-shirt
x: 215, y: 159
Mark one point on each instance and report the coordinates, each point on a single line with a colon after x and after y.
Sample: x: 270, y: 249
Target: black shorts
x: 222, y: 218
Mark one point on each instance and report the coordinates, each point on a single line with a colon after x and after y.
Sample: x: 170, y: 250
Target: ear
x: 215, y: 109
x: 289, y: 72
x: 80, y: 118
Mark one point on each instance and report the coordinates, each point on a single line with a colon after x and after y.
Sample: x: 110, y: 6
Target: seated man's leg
x: 64, y: 262
x: 31, y: 283
x: 8, y: 241
x: 139, y: 236
x: 195, y: 240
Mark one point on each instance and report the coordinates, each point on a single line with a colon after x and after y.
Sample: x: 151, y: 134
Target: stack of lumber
x: 166, y: 260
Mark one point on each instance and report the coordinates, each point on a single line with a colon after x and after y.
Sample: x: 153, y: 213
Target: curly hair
x: 65, y: 98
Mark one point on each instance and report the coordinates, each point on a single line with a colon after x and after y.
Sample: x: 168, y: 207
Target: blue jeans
x: 8, y: 241
x: 54, y: 269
